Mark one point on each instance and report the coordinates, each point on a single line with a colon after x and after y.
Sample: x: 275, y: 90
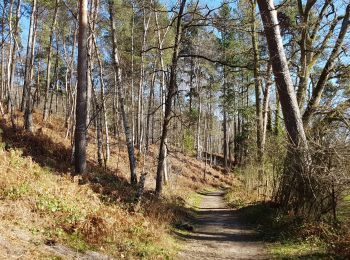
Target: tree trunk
x: 294, y: 192
x: 10, y: 56
x: 277, y: 115
x: 48, y: 69
x: 12, y: 63
x: 115, y: 108
x: 70, y: 102
x: 150, y: 107
x: 198, y: 131
x: 3, y: 58
x: 266, y: 104
x: 26, y: 100
x: 132, y: 106
x: 81, y: 103
x: 98, y: 121
x: 305, y: 47
x: 283, y: 80
x: 172, y: 88
x: 257, y: 84
x: 116, y: 65
x: 54, y: 90
x: 162, y: 87
x: 321, y: 84
x: 103, y: 100
x: 310, y: 52
x: 140, y: 105
x: 224, y: 112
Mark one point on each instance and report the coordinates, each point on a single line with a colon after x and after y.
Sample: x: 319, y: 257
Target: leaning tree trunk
x: 294, y: 191
x: 283, y: 79
x: 169, y: 99
x: 81, y: 103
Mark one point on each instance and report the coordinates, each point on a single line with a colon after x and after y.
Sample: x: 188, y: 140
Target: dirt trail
x: 219, y: 234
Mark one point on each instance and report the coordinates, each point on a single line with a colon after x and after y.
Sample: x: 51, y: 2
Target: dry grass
x: 39, y: 196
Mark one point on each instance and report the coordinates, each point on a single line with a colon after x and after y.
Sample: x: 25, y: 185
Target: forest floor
x: 17, y: 243
x: 219, y: 233
x: 46, y: 213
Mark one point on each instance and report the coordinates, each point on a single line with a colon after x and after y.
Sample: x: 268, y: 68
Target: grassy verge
x: 194, y: 201
x: 287, y: 237
x: 291, y: 237
x: 298, y: 250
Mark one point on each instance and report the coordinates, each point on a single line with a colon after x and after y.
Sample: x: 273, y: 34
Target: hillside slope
x: 46, y: 213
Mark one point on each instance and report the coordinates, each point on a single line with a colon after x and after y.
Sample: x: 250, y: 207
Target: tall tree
x: 48, y: 68
x: 118, y: 72
x: 328, y: 68
x: 81, y: 104
x: 27, y: 87
x: 293, y: 190
x: 172, y: 89
x: 289, y: 104
x: 257, y: 84
x: 224, y: 15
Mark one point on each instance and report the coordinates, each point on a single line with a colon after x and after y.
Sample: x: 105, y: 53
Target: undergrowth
x: 289, y: 236
x: 38, y: 194
x: 61, y: 211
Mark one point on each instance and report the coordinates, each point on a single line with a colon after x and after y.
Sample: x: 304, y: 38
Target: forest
x: 175, y: 129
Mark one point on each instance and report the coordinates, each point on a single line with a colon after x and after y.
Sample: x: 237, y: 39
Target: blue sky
x: 25, y: 19
x: 340, y: 4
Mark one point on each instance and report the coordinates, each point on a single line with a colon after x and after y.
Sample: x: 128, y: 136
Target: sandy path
x: 220, y: 235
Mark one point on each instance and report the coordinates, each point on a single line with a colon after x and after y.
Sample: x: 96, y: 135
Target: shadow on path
x: 220, y: 233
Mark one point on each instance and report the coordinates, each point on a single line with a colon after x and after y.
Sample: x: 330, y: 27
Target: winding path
x: 219, y: 234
